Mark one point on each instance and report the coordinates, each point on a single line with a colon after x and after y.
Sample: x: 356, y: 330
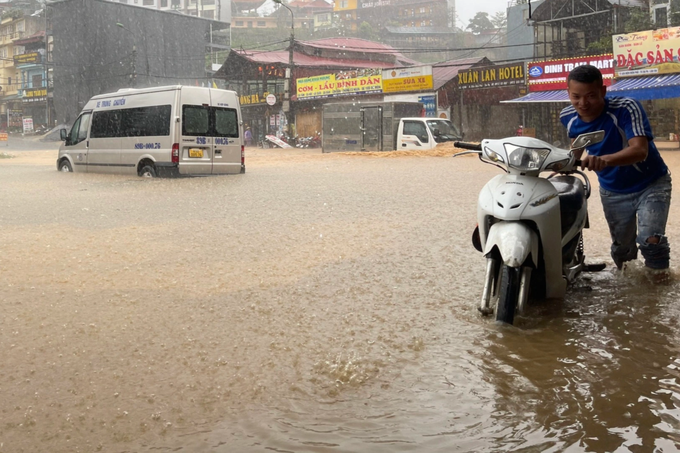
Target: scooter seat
x: 572, y: 194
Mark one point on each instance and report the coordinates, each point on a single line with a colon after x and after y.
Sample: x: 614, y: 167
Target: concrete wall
x: 92, y: 55
x: 520, y: 36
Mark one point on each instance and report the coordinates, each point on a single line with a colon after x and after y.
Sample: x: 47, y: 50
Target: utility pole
x: 133, y: 81
x: 288, y: 103
x: 46, y: 69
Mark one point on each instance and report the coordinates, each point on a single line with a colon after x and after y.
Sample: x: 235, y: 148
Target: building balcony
x: 10, y: 37
x: 10, y: 90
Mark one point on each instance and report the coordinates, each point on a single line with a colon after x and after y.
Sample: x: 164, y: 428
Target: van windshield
x: 198, y: 120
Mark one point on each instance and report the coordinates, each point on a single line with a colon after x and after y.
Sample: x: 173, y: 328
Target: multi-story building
x: 23, y: 70
x: 207, y: 9
x: 346, y: 12
x: 395, y: 13
x: 665, y: 13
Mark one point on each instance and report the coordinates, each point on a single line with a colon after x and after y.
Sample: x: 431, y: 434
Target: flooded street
x: 317, y: 303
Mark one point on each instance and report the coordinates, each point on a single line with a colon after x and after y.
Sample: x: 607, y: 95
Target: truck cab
x: 420, y: 133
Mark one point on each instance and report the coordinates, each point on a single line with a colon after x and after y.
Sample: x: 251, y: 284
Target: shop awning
x: 647, y: 88
x: 11, y: 97
x: 541, y: 96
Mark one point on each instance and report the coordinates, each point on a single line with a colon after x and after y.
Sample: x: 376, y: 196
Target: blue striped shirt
x: 621, y: 120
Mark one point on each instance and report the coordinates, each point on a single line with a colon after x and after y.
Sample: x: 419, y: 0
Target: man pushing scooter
x: 635, y: 184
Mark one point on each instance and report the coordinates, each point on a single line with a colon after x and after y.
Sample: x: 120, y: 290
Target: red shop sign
x: 552, y: 74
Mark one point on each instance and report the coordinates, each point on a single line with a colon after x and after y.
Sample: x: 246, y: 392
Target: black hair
x: 585, y: 74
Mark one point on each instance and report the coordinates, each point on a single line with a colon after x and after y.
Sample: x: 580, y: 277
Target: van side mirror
x: 63, y: 135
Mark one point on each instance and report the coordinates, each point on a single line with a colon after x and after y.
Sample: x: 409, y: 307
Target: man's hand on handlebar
x: 593, y: 163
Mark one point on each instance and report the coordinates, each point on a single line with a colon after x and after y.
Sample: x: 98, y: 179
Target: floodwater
x: 317, y: 303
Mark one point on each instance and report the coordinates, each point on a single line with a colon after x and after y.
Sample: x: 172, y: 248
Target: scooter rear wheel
x: 508, y: 294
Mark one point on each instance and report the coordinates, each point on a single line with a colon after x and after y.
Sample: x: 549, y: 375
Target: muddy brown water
x: 317, y: 303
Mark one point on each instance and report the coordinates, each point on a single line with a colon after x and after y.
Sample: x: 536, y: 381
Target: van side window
x: 226, y: 122
x: 416, y: 128
x: 146, y: 121
x: 106, y: 124
x: 79, y: 129
x: 195, y: 120
x: 135, y: 122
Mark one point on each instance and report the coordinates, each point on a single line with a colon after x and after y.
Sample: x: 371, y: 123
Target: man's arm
x: 635, y: 152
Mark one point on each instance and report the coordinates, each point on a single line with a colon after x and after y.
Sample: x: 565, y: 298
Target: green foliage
x: 13, y: 13
x: 674, y: 16
x: 639, y: 19
x: 480, y: 23
x: 499, y: 20
x: 602, y: 45
x: 366, y: 31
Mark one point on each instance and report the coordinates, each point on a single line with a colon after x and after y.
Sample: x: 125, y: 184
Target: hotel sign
x: 492, y: 76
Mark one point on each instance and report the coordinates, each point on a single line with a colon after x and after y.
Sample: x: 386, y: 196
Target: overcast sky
x: 467, y: 9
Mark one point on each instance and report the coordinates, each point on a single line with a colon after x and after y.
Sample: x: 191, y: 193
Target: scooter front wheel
x: 508, y: 293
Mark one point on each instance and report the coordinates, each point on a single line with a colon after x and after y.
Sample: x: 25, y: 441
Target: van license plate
x: 195, y: 152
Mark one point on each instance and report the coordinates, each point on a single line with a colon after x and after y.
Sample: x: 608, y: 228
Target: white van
x: 172, y: 130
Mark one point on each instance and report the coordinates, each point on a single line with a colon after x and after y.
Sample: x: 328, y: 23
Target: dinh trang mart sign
x: 417, y: 78
x: 360, y: 81
x: 492, y: 76
x: 552, y: 74
x: 647, y: 52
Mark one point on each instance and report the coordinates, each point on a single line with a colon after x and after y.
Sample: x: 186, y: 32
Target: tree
x: 480, y: 23
x: 602, y: 45
x: 499, y: 20
x: 366, y: 31
x: 638, y: 20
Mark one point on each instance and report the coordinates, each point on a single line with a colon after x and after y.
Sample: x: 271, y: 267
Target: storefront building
x: 648, y: 69
x: 481, y: 88
x: 324, y: 70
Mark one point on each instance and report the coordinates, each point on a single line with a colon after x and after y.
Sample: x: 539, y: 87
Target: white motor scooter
x: 527, y: 223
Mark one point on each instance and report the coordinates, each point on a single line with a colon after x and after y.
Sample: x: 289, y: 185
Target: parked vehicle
x: 530, y: 228
x: 181, y: 130
x: 382, y: 126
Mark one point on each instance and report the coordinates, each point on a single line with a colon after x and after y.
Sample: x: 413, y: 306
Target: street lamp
x: 134, y: 54
x: 287, y: 103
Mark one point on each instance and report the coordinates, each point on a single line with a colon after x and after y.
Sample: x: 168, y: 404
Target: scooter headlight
x: 525, y: 159
x: 493, y: 156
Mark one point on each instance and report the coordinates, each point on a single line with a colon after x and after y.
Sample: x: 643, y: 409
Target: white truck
x: 382, y: 126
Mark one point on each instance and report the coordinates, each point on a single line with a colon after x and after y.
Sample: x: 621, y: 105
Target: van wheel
x: 65, y: 166
x: 148, y: 171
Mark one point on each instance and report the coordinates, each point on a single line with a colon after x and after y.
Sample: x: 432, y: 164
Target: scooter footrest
x: 597, y: 267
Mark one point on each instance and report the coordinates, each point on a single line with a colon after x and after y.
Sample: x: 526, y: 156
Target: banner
x: 258, y: 98
x: 492, y: 76
x: 647, y: 52
x: 417, y: 78
x: 361, y: 81
x: 552, y: 74
x: 26, y: 58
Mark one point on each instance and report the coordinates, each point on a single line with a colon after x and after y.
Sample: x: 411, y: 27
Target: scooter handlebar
x: 466, y: 145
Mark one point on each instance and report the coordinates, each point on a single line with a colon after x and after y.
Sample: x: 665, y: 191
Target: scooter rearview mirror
x: 588, y: 138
